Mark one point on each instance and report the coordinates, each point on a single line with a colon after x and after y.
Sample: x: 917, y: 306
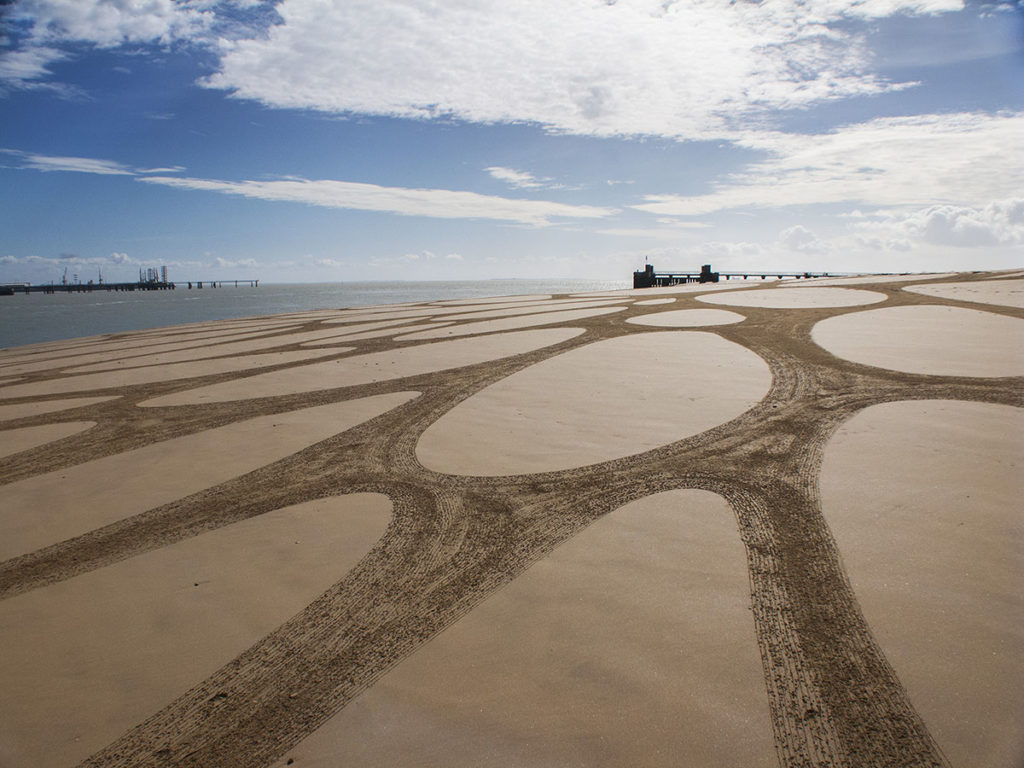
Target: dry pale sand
x: 937, y: 340
x: 506, y: 324
x: 679, y: 592
x: 83, y: 660
x: 631, y: 644
x: 45, y: 509
x: 688, y: 318
x: 17, y: 440
x: 805, y: 299
x: 651, y: 302
x: 863, y: 279
x: 366, y: 369
x: 24, y: 410
x: 159, y: 373
x: 603, y: 401
x: 923, y: 499
x: 1007, y: 293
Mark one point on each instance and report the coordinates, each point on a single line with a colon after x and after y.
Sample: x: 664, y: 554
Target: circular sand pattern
x: 508, y: 323
x: 652, y: 302
x: 688, y: 318
x: 804, y: 299
x: 623, y: 647
x: 862, y: 279
x: 923, y: 499
x: 942, y: 341
x: 16, y: 440
x: 172, y: 372
x: 495, y: 299
x: 118, y: 643
x: 90, y: 495
x: 380, y: 333
x: 23, y: 410
x: 214, y: 350
x: 366, y: 369
x: 599, y: 402
x: 547, y: 306
x: 1007, y: 293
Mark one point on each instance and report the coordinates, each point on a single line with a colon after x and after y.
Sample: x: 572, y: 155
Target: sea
x: 38, y: 317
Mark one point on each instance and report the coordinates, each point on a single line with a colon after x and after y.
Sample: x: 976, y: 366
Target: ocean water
x: 37, y: 317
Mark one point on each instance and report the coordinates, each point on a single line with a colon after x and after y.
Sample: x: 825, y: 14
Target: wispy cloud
x: 965, y: 159
x: 521, y: 179
x: 434, y: 203
x: 73, y: 164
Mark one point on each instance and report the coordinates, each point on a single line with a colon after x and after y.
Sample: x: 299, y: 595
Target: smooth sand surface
x: 154, y: 373
x: 16, y: 440
x: 48, y: 508
x: 688, y: 318
x: 924, y: 501
x: 213, y: 350
x: 863, y: 279
x: 86, y: 659
x: 508, y: 323
x: 376, y: 366
x: 23, y: 410
x: 650, y: 302
x: 1007, y: 293
x: 631, y: 644
x: 807, y: 298
x: 943, y: 341
x: 602, y: 401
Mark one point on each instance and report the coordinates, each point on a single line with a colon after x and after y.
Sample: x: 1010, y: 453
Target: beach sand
x: 645, y: 532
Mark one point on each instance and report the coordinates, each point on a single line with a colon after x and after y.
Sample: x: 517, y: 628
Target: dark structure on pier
x: 648, y: 278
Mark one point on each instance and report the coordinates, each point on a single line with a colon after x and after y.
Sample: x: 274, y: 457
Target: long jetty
x: 9, y: 289
x: 648, y: 278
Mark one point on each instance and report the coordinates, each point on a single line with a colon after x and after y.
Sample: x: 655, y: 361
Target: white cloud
x: 681, y: 70
x: 999, y: 223
x: 965, y: 159
x: 107, y: 23
x: 519, y: 179
x: 435, y: 203
x: 454, y: 257
x: 73, y: 164
x: 236, y: 263
x: 799, y: 238
x: 18, y: 67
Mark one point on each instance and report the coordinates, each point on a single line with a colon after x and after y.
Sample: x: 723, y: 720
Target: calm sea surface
x: 36, y: 317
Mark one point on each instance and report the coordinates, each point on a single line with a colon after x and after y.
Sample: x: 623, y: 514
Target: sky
x: 338, y: 140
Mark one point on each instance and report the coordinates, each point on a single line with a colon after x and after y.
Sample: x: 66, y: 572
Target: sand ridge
x: 833, y: 695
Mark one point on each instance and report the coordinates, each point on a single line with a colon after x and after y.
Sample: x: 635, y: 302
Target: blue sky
x: 310, y: 140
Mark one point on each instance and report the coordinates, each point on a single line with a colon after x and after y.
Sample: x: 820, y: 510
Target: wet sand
x: 629, y: 537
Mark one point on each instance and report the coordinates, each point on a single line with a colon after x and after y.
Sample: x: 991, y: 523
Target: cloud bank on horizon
x: 321, y: 140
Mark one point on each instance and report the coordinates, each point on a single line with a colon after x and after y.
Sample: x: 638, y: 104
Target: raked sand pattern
x: 595, y: 542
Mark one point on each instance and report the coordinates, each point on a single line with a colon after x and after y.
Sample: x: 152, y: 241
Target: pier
x: 648, y: 278
x: 9, y: 289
